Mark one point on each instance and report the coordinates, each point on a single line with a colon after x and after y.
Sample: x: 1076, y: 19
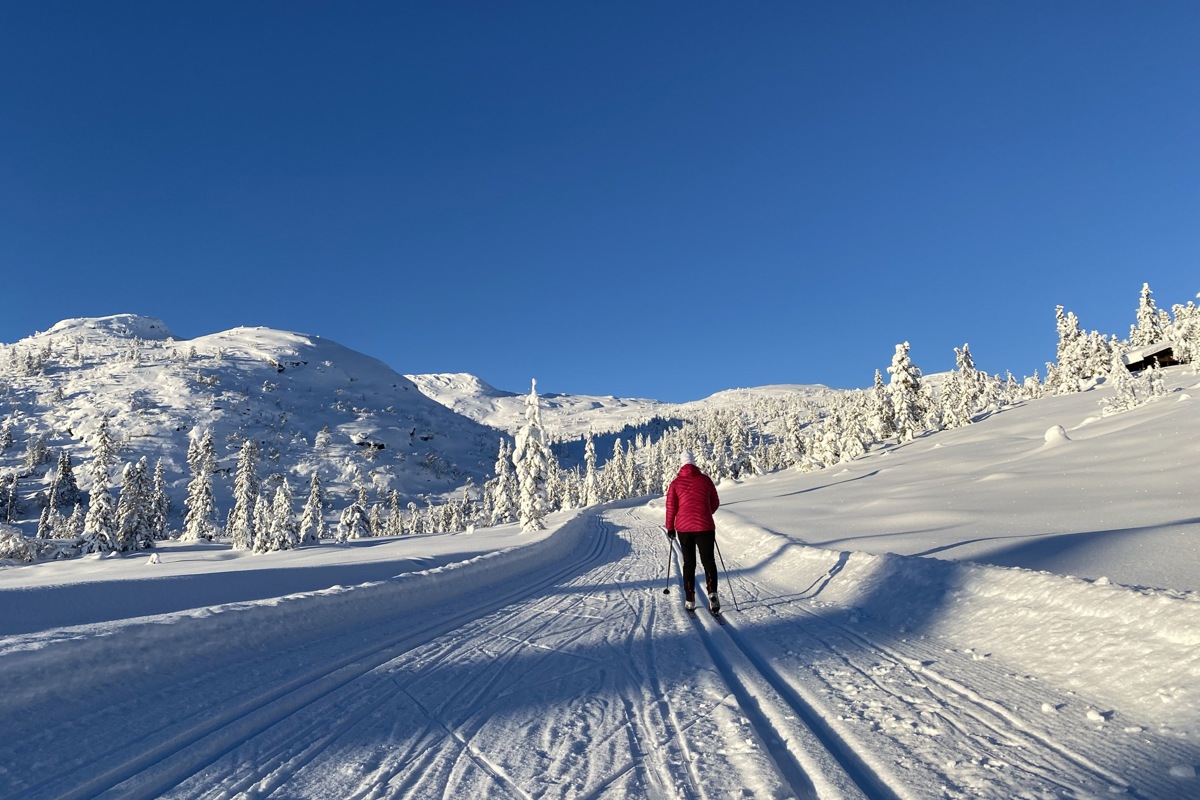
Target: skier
x: 691, y: 501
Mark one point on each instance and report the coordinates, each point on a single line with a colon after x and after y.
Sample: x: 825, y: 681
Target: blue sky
x: 641, y: 199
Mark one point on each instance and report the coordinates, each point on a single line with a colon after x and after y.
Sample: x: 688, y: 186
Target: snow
x: 571, y: 416
x: 1003, y: 610
x: 278, y: 387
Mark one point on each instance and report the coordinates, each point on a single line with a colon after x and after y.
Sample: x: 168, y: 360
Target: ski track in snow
x: 587, y: 682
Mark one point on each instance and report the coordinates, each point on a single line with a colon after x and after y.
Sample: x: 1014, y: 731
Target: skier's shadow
x: 814, y: 589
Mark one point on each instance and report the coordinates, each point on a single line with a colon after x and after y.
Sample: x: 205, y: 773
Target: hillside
x: 573, y: 416
x: 277, y: 387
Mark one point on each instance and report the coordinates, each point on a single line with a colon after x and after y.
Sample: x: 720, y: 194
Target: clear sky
x: 650, y: 199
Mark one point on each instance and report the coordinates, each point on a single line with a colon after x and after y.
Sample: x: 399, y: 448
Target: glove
x: 670, y: 534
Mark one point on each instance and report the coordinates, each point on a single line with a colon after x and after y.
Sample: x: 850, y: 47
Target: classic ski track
x: 531, y: 619
x: 161, y: 765
x: 665, y: 779
x: 989, y: 714
x: 802, y: 749
x: 965, y: 708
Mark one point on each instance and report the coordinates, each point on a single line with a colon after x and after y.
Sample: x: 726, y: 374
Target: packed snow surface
x: 1003, y: 610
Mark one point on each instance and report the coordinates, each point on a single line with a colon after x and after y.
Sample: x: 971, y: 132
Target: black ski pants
x: 689, y: 543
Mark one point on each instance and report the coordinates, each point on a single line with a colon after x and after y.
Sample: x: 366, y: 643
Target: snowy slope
x: 572, y: 416
x: 564, y: 416
x: 278, y: 387
x: 504, y: 664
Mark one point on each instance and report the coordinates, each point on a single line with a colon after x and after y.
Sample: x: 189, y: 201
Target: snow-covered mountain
x: 277, y: 387
x: 573, y: 416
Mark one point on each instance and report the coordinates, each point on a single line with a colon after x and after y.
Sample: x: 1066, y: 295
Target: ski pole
x: 670, y: 558
x: 728, y: 582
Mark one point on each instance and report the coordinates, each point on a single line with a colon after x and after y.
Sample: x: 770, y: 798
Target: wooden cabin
x: 1160, y: 354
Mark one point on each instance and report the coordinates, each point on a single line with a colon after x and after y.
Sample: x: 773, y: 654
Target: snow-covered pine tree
x: 533, y: 462
x: 133, y: 528
x: 246, y: 487
x: 353, y: 523
x: 104, y: 451
x: 904, y: 390
x: 416, y: 522
x: 65, y: 491
x: 99, y: 526
x: 1124, y: 395
x: 11, y: 496
x: 591, y: 484
x: 45, y: 523
x: 73, y: 526
x: 504, y: 487
x: 1148, y: 329
x: 1154, y: 381
x: 879, y: 410
x: 36, y: 452
x: 285, y: 531
x: 159, y: 508
x: 261, y: 524
x: 1032, y: 386
x: 201, y: 506
x: 312, y: 522
x: 616, y: 484
x: 394, y: 525
x: 1185, y: 332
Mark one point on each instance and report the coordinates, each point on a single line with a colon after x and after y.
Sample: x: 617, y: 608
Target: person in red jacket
x: 691, y: 501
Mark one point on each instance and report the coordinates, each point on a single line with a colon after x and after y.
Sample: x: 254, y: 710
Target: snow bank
x: 166, y: 642
x: 1132, y: 648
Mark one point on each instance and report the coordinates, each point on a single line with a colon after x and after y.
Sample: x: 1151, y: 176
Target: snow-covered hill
x: 277, y: 387
x: 573, y: 416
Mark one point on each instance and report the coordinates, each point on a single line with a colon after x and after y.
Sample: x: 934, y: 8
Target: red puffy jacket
x: 691, y: 501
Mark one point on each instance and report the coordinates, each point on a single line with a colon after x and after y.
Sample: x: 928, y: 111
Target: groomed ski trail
x: 585, y: 681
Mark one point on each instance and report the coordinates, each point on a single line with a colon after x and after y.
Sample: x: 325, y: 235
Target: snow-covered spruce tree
x: 616, y: 474
x: 281, y: 530
x: 1032, y: 386
x: 1155, y: 384
x: 312, y: 521
x: 64, y: 492
x: 879, y: 410
x: 6, y: 434
x: 591, y: 484
x: 416, y: 522
x: 246, y: 487
x: 199, y: 521
x: 73, y: 525
x: 963, y: 390
x: 533, y: 462
x: 262, y: 522
x: 10, y: 496
x: 394, y: 523
x: 36, y: 452
x: 104, y: 450
x: 904, y: 389
x: 504, y: 487
x: 285, y: 529
x: 46, y: 523
x: 1148, y: 329
x: 99, y: 525
x: 159, y: 509
x: 1124, y: 394
x: 133, y: 527
x: 1184, y: 331
x: 353, y: 523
